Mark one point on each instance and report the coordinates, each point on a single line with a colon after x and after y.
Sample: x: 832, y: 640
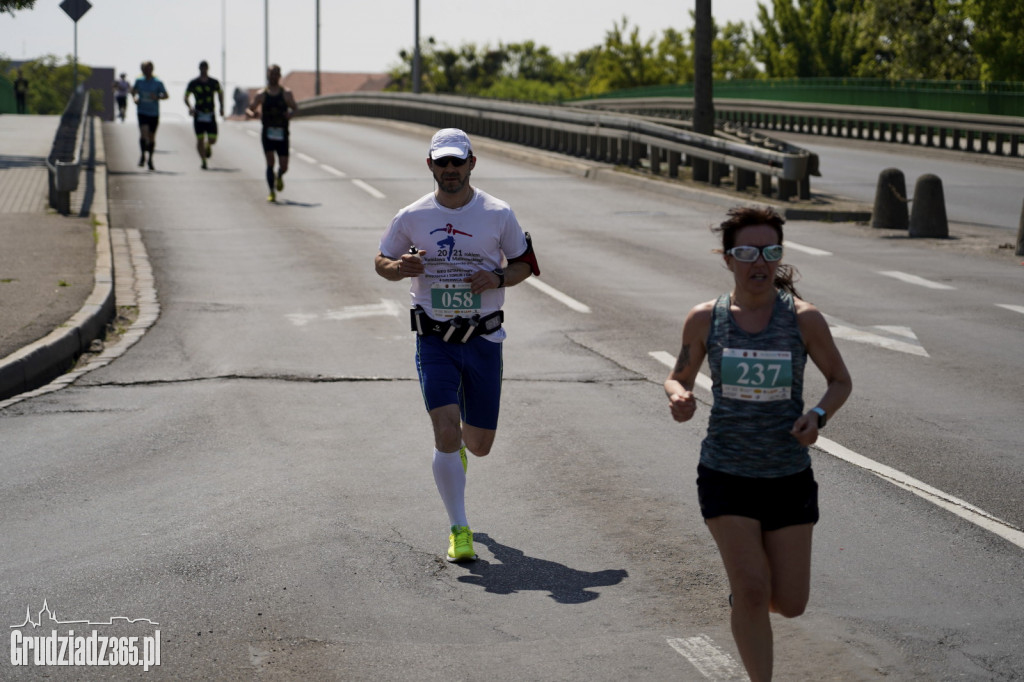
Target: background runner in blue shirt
x: 147, y: 93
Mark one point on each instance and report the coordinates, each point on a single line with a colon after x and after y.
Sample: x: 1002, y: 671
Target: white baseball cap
x: 450, y: 142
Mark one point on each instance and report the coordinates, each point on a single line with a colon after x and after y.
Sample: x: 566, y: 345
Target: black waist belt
x: 457, y: 330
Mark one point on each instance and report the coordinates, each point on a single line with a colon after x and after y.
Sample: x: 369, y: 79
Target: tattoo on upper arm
x: 683, y: 361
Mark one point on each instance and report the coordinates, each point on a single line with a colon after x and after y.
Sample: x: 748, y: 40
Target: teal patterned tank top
x: 758, y: 384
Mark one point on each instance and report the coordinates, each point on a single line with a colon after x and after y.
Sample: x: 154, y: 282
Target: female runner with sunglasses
x: 756, y: 489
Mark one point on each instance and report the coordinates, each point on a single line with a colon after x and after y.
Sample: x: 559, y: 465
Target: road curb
x: 42, y: 361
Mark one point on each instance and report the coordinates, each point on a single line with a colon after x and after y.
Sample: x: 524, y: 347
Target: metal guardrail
x: 600, y: 136
x: 979, y: 133
x: 65, y: 160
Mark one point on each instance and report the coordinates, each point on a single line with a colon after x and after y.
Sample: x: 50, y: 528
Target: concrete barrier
x: 890, y: 209
x: 928, y: 213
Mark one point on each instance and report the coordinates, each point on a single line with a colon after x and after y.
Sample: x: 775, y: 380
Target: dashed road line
x: 1014, y: 308
x: 914, y: 279
x: 306, y: 157
x: 708, y: 659
x: 558, y: 295
x: 807, y: 249
x: 368, y: 188
x: 334, y: 171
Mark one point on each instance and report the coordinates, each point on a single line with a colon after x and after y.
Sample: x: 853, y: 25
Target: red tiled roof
x: 303, y: 83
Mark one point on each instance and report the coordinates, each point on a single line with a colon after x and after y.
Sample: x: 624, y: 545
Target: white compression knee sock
x: 451, y: 483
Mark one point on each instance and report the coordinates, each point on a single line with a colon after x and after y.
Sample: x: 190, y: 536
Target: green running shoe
x: 280, y: 182
x: 460, y: 544
x: 271, y: 197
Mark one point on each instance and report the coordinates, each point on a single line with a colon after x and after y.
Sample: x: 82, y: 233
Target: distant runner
x: 147, y: 92
x: 122, y: 88
x: 204, y: 114
x: 275, y: 105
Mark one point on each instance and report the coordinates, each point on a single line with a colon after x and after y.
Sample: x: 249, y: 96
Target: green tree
x: 625, y: 61
x: 916, y: 39
x: 997, y: 37
x: 815, y: 38
x: 50, y: 82
x: 733, y: 57
x: 10, y: 6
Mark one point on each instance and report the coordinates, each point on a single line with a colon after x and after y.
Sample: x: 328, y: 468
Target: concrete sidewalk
x: 56, y: 272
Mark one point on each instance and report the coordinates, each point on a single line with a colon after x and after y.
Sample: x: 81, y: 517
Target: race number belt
x: 458, y: 329
x: 204, y: 116
x: 275, y: 133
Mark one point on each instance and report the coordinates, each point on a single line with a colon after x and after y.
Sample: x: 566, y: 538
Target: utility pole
x: 416, y: 51
x: 317, y: 47
x: 703, y: 79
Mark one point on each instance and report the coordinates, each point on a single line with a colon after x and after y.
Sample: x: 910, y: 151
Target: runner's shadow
x: 518, y: 572
x: 289, y: 202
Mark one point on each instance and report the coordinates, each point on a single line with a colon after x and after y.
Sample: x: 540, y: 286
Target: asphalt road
x: 253, y: 475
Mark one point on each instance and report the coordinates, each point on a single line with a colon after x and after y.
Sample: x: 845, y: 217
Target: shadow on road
x: 518, y: 572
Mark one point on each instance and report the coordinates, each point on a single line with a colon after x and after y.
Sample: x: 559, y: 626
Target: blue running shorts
x: 463, y: 374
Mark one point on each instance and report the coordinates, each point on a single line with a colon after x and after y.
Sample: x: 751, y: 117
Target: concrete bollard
x: 1020, y: 233
x: 928, y: 214
x: 890, y: 209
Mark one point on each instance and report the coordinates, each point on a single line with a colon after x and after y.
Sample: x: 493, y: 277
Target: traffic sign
x: 75, y: 9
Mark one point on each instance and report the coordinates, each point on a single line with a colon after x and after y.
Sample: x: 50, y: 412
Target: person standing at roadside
x: 206, y: 90
x: 755, y: 485
x: 453, y: 243
x: 275, y: 105
x: 121, y: 90
x: 147, y: 93
x: 20, y: 91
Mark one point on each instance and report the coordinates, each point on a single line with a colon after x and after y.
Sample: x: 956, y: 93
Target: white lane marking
x: 708, y: 659
x: 914, y: 279
x: 703, y: 380
x: 351, y: 312
x: 252, y: 132
x: 369, y: 189
x: 978, y: 517
x: 964, y: 510
x: 1014, y: 308
x: 912, y: 345
x: 807, y: 249
x: 306, y: 157
x: 333, y: 171
x: 558, y: 295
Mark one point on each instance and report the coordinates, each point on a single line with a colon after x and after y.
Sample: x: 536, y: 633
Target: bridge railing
x: 609, y: 137
x: 68, y: 151
x: 978, y: 133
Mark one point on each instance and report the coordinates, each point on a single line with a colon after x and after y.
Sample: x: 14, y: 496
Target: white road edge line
x: 558, y: 295
x: 708, y: 659
x: 964, y: 510
x: 368, y: 188
x: 1014, y: 308
x: 914, y: 279
x: 807, y: 249
x: 306, y: 157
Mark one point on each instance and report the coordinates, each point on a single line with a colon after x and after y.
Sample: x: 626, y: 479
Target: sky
x: 354, y: 37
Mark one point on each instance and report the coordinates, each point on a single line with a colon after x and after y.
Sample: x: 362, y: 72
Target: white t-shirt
x: 458, y: 242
